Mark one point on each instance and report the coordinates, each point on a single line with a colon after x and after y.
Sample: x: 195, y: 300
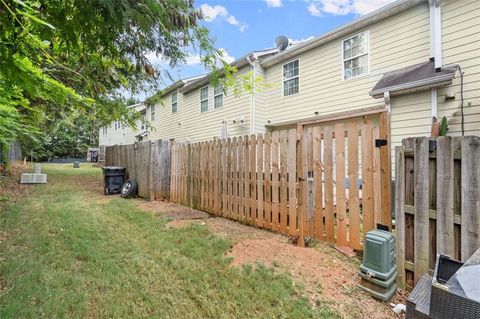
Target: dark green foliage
x: 443, y: 127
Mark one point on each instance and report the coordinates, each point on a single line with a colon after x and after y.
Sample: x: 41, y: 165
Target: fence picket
x: 340, y: 184
x: 329, y: 206
x: 292, y: 182
x: 283, y: 183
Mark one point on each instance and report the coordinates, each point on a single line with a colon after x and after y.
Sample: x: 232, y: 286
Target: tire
x: 129, y: 189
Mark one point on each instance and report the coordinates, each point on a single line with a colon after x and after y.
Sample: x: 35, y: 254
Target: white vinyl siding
x: 174, y: 102
x: 217, y: 96
x: 355, y: 55
x: 290, y: 78
x: 204, y: 99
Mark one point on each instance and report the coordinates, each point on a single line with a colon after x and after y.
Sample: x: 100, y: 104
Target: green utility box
x: 379, y: 270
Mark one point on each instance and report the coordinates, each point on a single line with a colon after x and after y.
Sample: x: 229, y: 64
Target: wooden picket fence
x: 323, y: 180
x: 437, y: 202
x: 147, y: 162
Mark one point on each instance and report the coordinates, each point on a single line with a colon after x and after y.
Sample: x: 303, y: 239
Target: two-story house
x: 120, y: 134
x: 418, y: 58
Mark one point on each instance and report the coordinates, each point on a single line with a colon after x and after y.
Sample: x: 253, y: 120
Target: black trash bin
x: 114, y: 177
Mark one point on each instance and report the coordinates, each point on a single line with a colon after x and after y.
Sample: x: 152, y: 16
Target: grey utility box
x: 379, y: 255
x: 379, y: 270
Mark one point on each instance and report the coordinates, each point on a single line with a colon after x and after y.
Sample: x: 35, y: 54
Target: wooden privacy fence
x: 147, y: 162
x: 437, y: 202
x: 323, y: 179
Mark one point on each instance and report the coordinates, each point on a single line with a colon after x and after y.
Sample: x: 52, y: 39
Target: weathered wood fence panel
x: 317, y: 181
x: 437, y: 202
x: 147, y: 162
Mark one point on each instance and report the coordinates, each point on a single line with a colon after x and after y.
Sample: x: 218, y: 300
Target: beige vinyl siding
x: 260, y: 100
x: 166, y: 124
x: 197, y: 126
x: 396, y: 42
x: 461, y: 45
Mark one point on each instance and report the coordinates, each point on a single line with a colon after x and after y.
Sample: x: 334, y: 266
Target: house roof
x: 239, y: 63
x: 418, y: 76
x: 356, y: 25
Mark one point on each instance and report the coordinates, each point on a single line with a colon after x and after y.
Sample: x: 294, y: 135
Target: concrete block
x: 28, y: 178
x: 38, y: 169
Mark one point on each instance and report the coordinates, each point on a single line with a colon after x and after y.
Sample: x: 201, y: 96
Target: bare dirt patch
x: 326, y: 277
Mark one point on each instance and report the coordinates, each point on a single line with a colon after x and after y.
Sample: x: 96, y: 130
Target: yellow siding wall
x: 461, y: 45
x: 191, y: 124
x: 396, y: 42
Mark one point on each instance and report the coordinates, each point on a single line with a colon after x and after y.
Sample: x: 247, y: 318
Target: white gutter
x: 435, y: 47
x: 252, y: 97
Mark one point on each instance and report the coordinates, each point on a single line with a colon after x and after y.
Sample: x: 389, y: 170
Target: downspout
x: 435, y: 47
x: 252, y: 96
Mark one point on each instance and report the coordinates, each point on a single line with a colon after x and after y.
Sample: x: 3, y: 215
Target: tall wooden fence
x: 148, y: 163
x: 437, y: 202
x: 322, y: 180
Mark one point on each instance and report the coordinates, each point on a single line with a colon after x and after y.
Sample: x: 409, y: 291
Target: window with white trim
x: 204, y: 99
x: 218, y: 96
x: 290, y: 78
x: 355, y: 56
x: 174, y: 102
x: 152, y: 113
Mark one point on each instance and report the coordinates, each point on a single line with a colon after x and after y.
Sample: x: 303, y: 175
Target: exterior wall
x: 120, y: 136
x: 195, y: 125
x: 461, y: 45
x: 396, y: 42
x: 167, y: 125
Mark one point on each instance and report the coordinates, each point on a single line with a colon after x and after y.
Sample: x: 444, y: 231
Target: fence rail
x: 437, y: 202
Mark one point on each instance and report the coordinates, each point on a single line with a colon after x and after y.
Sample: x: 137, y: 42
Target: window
x: 355, y: 56
x: 174, y: 102
x: 290, y: 78
x: 218, y: 96
x: 152, y: 113
x: 204, y: 99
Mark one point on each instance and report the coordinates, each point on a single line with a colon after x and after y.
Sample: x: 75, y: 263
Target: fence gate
x: 343, y: 166
x: 328, y: 179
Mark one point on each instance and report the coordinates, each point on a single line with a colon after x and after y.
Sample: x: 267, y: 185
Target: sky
x: 241, y: 26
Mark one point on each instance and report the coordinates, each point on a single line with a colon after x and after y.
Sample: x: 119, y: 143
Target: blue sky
x: 242, y: 26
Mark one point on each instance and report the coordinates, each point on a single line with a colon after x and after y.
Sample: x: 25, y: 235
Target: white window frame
x: 215, y: 94
x: 205, y: 99
x: 290, y: 78
x: 174, y: 102
x: 367, y: 36
x: 152, y: 113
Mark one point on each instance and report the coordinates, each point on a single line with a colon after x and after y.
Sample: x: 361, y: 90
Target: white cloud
x: 225, y: 56
x: 344, y: 7
x: 211, y: 13
x: 314, y: 11
x: 193, y: 59
x: 274, y: 3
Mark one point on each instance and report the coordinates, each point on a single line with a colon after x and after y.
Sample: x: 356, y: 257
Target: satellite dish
x: 281, y: 42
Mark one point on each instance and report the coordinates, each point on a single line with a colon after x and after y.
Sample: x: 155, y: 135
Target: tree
x: 63, y: 57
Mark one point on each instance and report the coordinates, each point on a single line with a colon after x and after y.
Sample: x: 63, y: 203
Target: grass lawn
x: 67, y: 251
